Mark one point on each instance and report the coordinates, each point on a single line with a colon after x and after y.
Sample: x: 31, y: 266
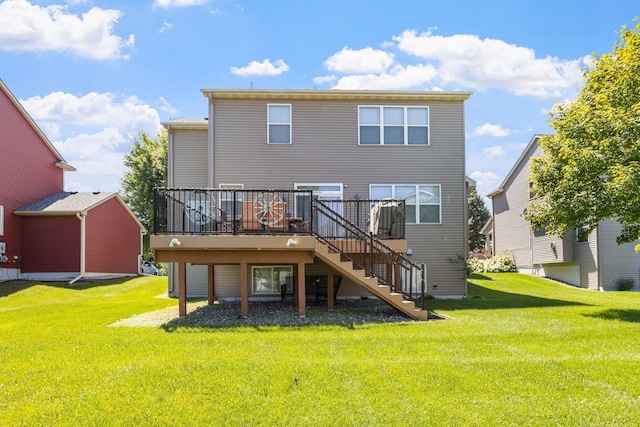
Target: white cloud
x: 166, y: 4
x: 460, y: 61
x: 486, y: 182
x: 264, y: 68
x: 166, y: 107
x: 29, y: 27
x: 398, y: 77
x: 467, y: 60
x: 93, y: 109
x: 489, y: 129
x: 165, y: 27
x: 93, y: 132
x: 324, y: 79
x: 365, y: 60
x: 494, y: 152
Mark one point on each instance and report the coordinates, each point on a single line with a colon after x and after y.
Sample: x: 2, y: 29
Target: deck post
x: 244, y: 289
x: 301, y: 291
x: 330, y: 285
x: 182, y: 289
x: 211, y: 284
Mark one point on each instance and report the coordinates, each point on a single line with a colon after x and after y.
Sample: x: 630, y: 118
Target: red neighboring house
x: 46, y: 233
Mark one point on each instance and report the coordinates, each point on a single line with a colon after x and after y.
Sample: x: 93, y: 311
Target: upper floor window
x: 422, y: 202
x: 393, y: 125
x: 279, y: 122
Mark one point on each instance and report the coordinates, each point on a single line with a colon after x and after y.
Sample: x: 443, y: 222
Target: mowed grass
x: 519, y: 351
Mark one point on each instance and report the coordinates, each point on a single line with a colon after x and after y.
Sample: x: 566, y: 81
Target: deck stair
x: 346, y: 269
x: 332, y: 247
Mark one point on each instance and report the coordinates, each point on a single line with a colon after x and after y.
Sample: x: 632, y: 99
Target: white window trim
x: 290, y: 124
x: 324, y: 184
x: 406, y: 125
x: 417, y: 186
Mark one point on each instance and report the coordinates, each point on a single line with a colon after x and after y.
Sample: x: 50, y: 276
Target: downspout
x: 170, y: 184
x: 81, y: 217
x: 210, y: 145
x: 599, y: 284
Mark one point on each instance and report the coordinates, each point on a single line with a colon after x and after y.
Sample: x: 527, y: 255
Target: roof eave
x: 186, y: 124
x: 65, y: 166
x: 312, y: 94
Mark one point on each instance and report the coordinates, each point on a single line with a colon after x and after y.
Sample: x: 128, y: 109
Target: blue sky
x: 94, y: 73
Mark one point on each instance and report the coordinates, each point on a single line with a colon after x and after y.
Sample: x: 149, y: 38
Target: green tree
x: 590, y: 170
x: 478, y: 217
x: 147, y: 168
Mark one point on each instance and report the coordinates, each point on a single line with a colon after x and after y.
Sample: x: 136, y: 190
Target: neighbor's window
x: 422, y: 202
x: 380, y: 125
x: 582, y: 235
x: 267, y: 279
x: 279, y: 119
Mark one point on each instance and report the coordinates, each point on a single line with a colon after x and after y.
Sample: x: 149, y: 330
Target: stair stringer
x: 371, y: 284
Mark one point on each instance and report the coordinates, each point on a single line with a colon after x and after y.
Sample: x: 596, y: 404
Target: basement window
x: 267, y: 279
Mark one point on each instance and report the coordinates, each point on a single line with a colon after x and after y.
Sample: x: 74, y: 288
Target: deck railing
x: 231, y: 211
x: 239, y: 211
x: 384, y: 218
x: 369, y: 253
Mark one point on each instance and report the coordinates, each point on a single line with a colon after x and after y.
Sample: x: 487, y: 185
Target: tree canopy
x: 590, y: 170
x: 146, y: 168
x: 478, y: 217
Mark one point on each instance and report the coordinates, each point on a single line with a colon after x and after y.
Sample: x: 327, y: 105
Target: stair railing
x: 369, y: 253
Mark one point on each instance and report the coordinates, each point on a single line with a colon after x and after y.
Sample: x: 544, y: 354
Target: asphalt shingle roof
x: 66, y: 202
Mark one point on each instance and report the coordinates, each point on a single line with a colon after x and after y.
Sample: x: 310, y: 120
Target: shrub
x: 496, y: 264
x: 624, y: 283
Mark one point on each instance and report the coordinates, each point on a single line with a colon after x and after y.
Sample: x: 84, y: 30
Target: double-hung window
x: 227, y: 199
x: 382, y: 125
x: 279, y: 123
x: 422, y: 202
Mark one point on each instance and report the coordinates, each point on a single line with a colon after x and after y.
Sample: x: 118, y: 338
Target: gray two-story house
x: 277, y: 189
x: 594, y: 262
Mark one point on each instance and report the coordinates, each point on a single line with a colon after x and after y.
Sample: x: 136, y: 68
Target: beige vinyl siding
x: 227, y: 281
x: 511, y: 230
x: 616, y: 261
x: 190, y: 158
x: 552, y: 249
x: 586, y: 256
x: 325, y: 148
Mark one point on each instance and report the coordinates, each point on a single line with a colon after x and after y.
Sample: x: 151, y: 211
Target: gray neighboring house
x: 594, y: 262
x: 344, y: 145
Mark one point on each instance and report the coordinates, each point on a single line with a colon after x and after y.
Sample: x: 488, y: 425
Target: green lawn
x: 519, y: 351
